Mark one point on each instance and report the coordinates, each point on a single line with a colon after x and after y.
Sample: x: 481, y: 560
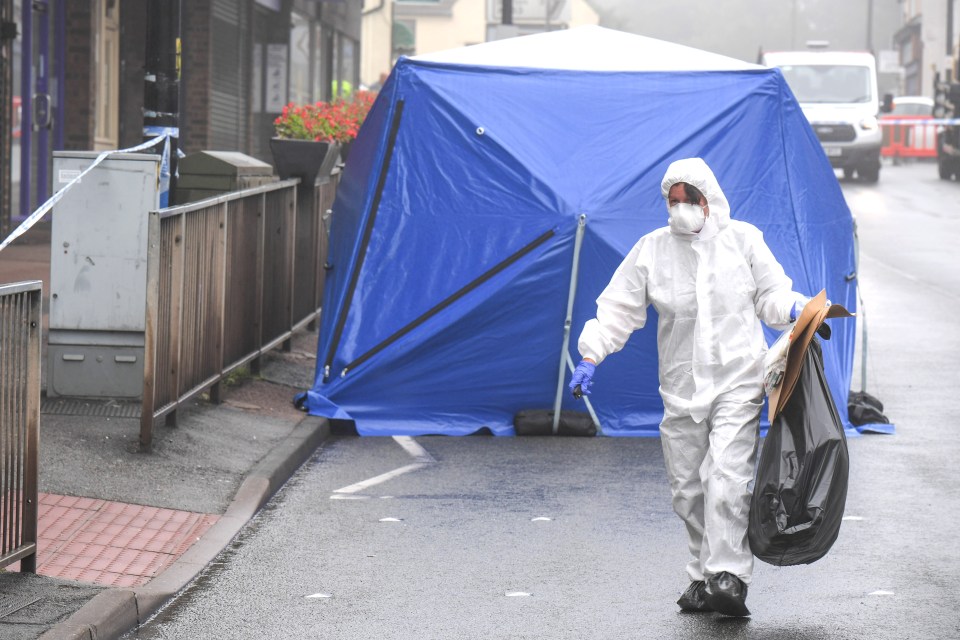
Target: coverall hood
x: 696, y: 172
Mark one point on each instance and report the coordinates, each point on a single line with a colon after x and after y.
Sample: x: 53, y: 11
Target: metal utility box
x: 98, y: 274
x: 206, y: 174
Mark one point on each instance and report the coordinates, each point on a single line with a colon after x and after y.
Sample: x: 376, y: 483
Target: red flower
x: 338, y: 121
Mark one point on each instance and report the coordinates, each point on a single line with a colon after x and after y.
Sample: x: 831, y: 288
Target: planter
x: 345, y: 150
x: 304, y: 159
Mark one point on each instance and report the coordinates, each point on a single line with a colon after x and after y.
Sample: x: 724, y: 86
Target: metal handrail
x: 20, y: 333
x: 228, y: 279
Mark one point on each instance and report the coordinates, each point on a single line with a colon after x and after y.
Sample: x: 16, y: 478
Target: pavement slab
x: 113, y: 544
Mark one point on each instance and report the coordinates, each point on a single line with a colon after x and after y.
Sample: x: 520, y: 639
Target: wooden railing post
x: 151, y: 324
x: 31, y: 451
x: 220, y: 302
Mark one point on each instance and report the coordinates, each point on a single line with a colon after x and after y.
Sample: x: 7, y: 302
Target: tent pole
x: 571, y: 296
x: 861, y: 311
x: 863, y: 344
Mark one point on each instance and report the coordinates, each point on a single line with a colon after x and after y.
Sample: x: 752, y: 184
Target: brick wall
x: 133, y: 28
x: 195, y: 80
x: 79, y: 110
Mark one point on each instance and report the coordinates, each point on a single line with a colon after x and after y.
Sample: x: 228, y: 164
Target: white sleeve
x: 775, y: 296
x: 621, y: 310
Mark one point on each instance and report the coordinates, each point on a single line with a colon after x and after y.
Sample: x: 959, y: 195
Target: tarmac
x: 121, y: 532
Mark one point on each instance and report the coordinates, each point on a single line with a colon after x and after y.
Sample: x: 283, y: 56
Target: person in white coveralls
x: 712, y: 280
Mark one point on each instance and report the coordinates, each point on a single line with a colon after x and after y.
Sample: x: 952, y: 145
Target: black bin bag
x: 801, y: 483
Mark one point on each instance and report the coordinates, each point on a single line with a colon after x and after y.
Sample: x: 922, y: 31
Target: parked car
x: 911, y: 106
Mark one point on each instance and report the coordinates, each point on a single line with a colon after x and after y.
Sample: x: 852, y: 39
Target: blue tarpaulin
x: 453, y: 230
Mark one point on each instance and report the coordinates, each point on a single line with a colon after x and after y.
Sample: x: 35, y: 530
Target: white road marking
x: 541, y: 519
x: 412, y: 447
x: 854, y: 518
x: 391, y: 520
x: 348, y: 497
x: 319, y: 595
x: 881, y: 593
x: 383, y: 477
x: 517, y: 594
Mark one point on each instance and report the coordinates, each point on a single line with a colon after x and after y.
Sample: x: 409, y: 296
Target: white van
x: 837, y: 91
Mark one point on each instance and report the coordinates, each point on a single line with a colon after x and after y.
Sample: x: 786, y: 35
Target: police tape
x: 45, y: 208
x: 920, y: 121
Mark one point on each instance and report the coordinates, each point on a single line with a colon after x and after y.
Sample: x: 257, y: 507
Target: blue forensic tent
x: 455, y: 228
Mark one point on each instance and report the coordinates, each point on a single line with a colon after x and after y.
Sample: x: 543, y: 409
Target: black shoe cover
x: 727, y: 594
x: 694, y: 598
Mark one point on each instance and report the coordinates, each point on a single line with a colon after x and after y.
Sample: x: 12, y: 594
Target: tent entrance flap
x: 365, y: 241
x: 446, y: 302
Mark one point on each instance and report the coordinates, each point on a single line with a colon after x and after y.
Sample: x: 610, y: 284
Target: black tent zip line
x: 446, y: 302
x: 367, y: 232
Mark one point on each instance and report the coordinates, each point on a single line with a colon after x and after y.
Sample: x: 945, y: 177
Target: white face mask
x: 686, y: 217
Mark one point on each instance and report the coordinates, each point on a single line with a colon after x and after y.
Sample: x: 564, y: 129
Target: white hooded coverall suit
x: 711, y: 290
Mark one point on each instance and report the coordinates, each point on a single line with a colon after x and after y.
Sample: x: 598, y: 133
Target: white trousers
x: 710, y: 465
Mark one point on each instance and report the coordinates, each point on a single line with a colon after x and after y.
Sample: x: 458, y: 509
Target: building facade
x: 392, y: 28
x: 927, y: 43
x: 78, y: 76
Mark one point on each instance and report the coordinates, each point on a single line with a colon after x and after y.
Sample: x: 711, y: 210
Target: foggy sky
x: 739, y: 28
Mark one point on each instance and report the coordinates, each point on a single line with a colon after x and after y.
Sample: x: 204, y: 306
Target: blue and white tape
x: 43, y: 209
x: 920, y: 121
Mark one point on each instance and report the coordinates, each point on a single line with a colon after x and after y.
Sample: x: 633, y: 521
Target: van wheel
x: 869, y: 175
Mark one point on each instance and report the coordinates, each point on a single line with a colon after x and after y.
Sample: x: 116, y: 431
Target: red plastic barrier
x: 909, y: 137
x: 16, y: 116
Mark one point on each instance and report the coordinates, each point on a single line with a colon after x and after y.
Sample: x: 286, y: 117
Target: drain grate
x: 10, y: 605
x: 100, y: 408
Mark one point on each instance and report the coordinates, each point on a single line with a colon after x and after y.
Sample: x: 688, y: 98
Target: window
x: 404, y: 38
x: 300, y: 59
x: 829, y: 83
x: 319, y: 60
x: 107, y: 72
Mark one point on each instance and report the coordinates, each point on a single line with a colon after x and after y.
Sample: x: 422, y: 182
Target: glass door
x: 39, y: 96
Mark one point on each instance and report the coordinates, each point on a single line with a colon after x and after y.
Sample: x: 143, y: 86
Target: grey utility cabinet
x: 206, y: 174
x: 98, y: 274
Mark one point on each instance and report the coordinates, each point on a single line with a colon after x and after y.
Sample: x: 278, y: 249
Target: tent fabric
x: 453, y: 231
x: 588, y: 48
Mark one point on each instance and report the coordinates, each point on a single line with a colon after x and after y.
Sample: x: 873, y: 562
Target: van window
x: 831, y: 84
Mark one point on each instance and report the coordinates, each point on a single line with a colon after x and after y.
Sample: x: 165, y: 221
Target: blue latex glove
x: 582, y: 376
